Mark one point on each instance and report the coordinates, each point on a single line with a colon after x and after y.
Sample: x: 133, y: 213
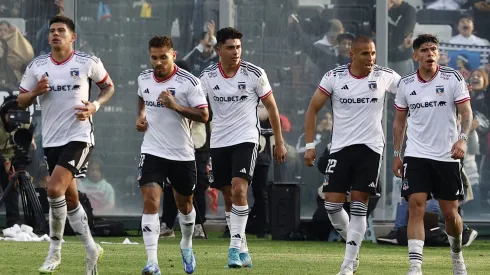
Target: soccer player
x: 169, y: 98
x: 357, y: 91
x: 431, y: 98
x: 61, y: 82
x: 234, y: 88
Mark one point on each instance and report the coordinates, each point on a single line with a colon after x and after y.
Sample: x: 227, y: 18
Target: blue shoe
x: 188, y: 260
x: 246, y: 259
x: 151, y: 268
x: 234, y: 258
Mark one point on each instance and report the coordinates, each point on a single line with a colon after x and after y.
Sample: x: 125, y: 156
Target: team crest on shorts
x: 75, y: 73
x: 405, y: 185
x: 139, y: 173
x: 440, y: 90
x: 372, y: 85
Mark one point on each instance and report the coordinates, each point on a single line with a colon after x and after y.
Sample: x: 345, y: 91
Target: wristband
x: 310, y: 145
x: 463, y: 136
x: 97, y: 105
x: 397, y: 153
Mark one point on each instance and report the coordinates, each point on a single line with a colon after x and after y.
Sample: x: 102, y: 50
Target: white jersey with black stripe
x: 169, y: 133
x: 234, y: 101
x: 69, y: 83
x: 431, y: 124
x: 357, y: 104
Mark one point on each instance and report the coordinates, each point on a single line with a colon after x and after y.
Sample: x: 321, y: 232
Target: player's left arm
x: 462, y: 101
x: 103, y: 81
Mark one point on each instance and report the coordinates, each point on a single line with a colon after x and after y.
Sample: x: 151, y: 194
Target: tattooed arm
x: 464, y: 109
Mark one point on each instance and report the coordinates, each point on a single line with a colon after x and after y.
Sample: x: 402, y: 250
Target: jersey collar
x: 62, y: 62
x: 176, y: 68
x: 432, y: 78
x: 355, y: 76
x: 223, y: 72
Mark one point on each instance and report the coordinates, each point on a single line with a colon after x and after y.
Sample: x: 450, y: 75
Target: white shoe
x: 346, y: 271
x: 459, y: 268
x: 356, y: 264
x: 414, y: 270
x: 51, y: 264
x: 199, y: 232
x: 166, y: 232
x: 91, y: 262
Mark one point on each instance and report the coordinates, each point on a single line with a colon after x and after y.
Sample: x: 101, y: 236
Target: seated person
x: 98, y: 190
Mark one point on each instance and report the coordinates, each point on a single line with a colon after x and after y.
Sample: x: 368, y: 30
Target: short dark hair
x: 465, y: 16
x: 160, y: 42
x: 424, y: 38
x: 227, y: 33
x: 3, y: 22
x: 360, y: 40
x: 63, y: 19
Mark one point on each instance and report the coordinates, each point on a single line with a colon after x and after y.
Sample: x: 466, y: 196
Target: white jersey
x: 69, y: 83
x: 234, y: 102
x: 432, y: 118
x: 357, y: 106
x: 169, y: 133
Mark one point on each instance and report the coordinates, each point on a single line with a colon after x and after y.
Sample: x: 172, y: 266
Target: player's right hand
x: 42, y: 86
x: 310, y: 156
x: 141, y: 124
x: 397, y: 167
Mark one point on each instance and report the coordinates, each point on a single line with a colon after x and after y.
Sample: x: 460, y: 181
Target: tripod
x: 33, y: 212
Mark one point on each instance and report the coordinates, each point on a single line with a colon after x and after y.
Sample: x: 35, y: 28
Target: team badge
x: 405, y: 185
x: 139, y: 173
x: 440, y: 90
x: 75, y: 73
x: 242, y: 87
x: 172, y: 91
x: 372, y: 85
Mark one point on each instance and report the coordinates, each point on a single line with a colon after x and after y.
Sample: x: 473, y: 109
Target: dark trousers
x: 12, y: 200
x: 169, y: 206
x: 259, y: 215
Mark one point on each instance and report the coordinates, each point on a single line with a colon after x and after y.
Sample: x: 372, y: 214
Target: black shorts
x: 440, y: 179
x: 73, y: 156
x: 236, y: 161
x: 355, y: 167
x: 180, y: 174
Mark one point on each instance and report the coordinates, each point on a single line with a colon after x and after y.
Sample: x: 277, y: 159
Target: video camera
x: 17, y: 122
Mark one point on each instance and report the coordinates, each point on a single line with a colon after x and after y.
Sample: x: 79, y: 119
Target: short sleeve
x: 263, y: 88
x: 395, y: 78
x: 461, y: 93
x: 327, y: 83
x: 98, y: 73
x: 29, y: 80
x: 196, y: 97
x: 400, y: 99
x: 203, y: 84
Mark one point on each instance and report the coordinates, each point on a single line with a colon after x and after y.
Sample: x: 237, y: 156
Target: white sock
x: 150, y: 225
x: 187, y: 227
x: 79, y: 222
x: 415, y: 252
x: 227, y: 216
x: 338, y: 217
x: 238, y: 222
x: 355, y: 232
x: 244, y: 245
x: 57, y: 220
x: 456, y: 244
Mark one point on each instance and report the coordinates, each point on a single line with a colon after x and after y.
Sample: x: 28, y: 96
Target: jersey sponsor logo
x: 359, y: 100
x: 229, y: 98
x: 372, y: 85
x: 440, y: 90
x: 150, y: 103
x: 75, y: 73
x: 212, y: 74
x: 63, y: 88
x: 409, y: 80
x: 242, y: 87
x: 428, y: 104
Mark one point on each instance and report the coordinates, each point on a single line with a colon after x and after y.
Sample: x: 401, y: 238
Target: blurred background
x: 295, y: 41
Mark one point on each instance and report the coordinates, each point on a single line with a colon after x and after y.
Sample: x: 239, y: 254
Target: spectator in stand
x: 445, y: 4
x: 8, y: 80
x: 401, y: 22
x: 466, y: 36
x: 463, y: 66
x: 203, y: 54
x: 10, y: 8
x: 20, y: 51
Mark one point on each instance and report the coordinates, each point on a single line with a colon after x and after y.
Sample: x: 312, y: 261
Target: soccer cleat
x: 414, y: 270
x: 345, y: 270
x: 188, y: 260
x: 469, y: 235
x: 91, y: 262
x: 51, y: 264
x: 234, y: 258
x: 151, y: 268
x: 391, y: 238
x: 459, y: 268
x: 199, y: 232
x: 356, y: 264
x: 246, y: 260
x: 166, y: 232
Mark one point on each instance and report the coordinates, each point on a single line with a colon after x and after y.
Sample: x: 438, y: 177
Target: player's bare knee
x: 450, y: 215
x: 184, y: 203
x: 360, y: 197
x: 416, y: 208
x: 335, y: 197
